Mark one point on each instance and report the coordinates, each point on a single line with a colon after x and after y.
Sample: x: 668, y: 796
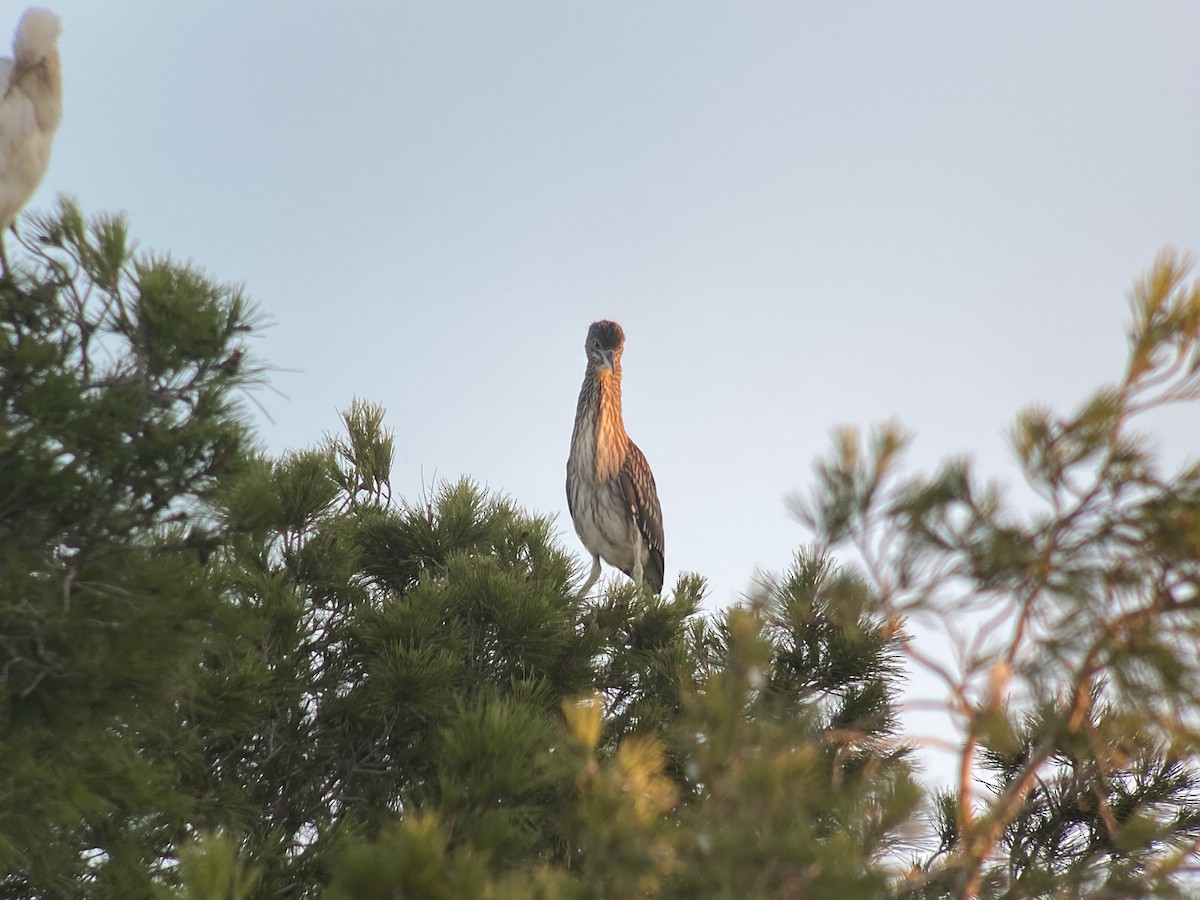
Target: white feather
x: 30, y: 110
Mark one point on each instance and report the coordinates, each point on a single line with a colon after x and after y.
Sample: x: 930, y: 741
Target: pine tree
x: 382, y: 658
x: 119, y: 417
x: 1077, y: 682
x: 406, y: 678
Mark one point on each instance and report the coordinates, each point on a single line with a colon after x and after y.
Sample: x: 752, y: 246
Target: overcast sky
x: 803, y: 214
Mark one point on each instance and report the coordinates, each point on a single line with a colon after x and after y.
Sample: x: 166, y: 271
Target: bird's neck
x: 42, y: 81
x: 611, y: 440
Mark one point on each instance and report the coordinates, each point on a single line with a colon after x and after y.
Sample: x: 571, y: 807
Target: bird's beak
x: 608, y: 360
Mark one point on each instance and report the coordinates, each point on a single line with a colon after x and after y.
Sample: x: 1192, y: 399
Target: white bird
x: 30, y: 111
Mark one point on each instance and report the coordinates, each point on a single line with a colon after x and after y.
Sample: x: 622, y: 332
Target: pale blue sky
x: 803, y: 214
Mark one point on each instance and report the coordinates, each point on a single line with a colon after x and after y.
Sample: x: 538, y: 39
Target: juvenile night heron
x: 610, y: 488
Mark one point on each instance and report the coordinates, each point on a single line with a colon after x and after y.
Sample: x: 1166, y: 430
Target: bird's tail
x: 36, y: 36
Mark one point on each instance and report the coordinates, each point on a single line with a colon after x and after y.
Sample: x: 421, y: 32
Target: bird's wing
x: 6, y: 69
x: 637, y: 486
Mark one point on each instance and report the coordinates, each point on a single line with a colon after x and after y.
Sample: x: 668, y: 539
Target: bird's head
x: 36, y: 38
x: 605, y: 342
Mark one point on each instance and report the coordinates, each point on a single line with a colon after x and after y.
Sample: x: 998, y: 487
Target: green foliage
x: 212, y: 870
x: 226, y: 675
x: 118, y: 421
x: 800, y: 786
x: 1078, y: 681
x: 403, y: 671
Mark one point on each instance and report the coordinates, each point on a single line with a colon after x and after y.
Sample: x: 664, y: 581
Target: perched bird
x: 610, y: 488
x: 30, y: 111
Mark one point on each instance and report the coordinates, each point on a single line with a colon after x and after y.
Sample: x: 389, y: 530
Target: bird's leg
x: 591, y: 578
x: 3, y: 255
x: 637, y: 575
